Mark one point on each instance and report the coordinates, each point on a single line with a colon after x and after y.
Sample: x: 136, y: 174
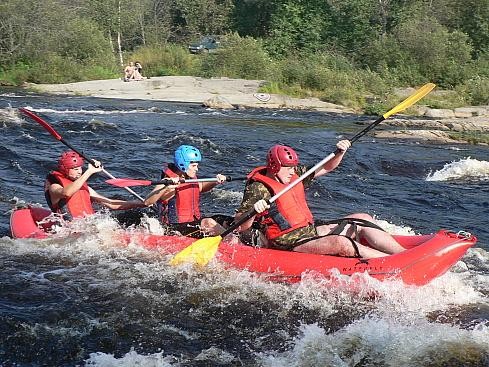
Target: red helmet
x: 281, y: 156
x: 68, y: 160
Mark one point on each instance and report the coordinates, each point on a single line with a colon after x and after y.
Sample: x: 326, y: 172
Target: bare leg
x: 376, y: 238
x: 339, y: 246
x: 380, y: 243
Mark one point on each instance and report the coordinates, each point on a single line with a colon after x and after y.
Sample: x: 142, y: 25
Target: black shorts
x: 192, y: 229
x: 189, y: 229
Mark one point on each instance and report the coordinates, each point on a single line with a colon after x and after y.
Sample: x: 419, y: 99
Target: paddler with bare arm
x: 179, y: 204
x: 288, y: 223
x: 67, y: 192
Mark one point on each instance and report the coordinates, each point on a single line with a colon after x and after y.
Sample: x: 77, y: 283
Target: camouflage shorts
x: 295, y: 238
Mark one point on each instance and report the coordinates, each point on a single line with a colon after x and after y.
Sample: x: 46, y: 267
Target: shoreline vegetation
x: 359, y: 54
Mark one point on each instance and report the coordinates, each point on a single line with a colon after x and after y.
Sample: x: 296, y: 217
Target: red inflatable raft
x: 426, y: 256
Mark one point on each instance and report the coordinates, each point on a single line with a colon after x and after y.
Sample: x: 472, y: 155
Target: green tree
x: 354, y: 23
x: 240, y: 57
x: 22, y: 36
x: 158, y: 22
x: 440, y: 54
x: 15, y: 30
x: 473, y: 20
x: 198, y: 17
x: 468, y: 16
x: 119, y: 21
x: 298, y: 25
x: 420, y: 48
x: 253, y: 17
x: 84, y: 42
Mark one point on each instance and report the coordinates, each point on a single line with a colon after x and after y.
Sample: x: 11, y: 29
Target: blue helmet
x: 186, y: 154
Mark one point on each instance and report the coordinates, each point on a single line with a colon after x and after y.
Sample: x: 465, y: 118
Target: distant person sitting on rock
x: 131, y: 73
x: 139, y: 68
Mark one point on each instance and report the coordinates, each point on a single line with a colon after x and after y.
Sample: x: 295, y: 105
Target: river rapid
x: 81, y: 298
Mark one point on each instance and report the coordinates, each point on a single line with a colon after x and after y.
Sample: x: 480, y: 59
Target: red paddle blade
x: 124, y: 182
x: 40, y: 121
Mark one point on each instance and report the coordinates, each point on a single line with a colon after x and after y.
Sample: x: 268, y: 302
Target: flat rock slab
x: 238, y: 92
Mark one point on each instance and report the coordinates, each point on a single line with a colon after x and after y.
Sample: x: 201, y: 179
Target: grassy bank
x: 471, y: 137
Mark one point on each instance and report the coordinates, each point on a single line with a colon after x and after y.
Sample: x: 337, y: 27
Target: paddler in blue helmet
x: 288, y: 223
x: 179, y: 204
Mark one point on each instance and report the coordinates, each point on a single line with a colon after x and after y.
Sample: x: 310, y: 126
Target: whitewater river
x: 81, y: 298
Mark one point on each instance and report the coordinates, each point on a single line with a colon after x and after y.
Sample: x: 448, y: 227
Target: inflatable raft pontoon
x: 426, y: 256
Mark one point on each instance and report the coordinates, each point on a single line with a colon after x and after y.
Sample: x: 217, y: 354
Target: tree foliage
x: 194, y: 17
x: 241, y: 58
x: 402, y: 41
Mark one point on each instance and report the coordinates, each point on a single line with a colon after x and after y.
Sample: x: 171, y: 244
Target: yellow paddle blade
x: 200, y: 252
x: 412, y: 99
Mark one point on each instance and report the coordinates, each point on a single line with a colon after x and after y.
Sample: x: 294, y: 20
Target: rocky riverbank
x: 473, y: 129
x: 440, y: 125
x: 213, y: 93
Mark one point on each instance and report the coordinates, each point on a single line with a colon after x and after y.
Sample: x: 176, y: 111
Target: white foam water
x: 394, y: 228
x: 465, y: 169
x: 10, y: 115
x: 100, y: 112
x: 130, y: 359
x: 398, y: 330
x: 372, y: 341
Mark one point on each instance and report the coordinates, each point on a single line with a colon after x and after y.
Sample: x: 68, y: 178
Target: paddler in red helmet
x: 288, y: 223
x: 67, y: 192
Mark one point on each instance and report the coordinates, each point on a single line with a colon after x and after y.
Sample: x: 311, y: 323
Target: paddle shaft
x: 123, y: 182
x: 57, y: 136
x: 412, y: 99
x: 194, y: 180
x: 167, y: 181
x: 367, y: 129
x: 325, y: 160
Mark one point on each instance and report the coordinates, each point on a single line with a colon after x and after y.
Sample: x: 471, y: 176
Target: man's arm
x: 342, y: 146
x: 208, y: 186
x: 254, y: 193
x: 114, y: 204
x: 162, y: 192
x: 159, y: 192
x: 58, y: 192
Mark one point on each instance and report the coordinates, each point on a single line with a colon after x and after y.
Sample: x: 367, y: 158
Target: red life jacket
x: 76, y: 206
x: 184, y: 206
x: 288, y: 212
